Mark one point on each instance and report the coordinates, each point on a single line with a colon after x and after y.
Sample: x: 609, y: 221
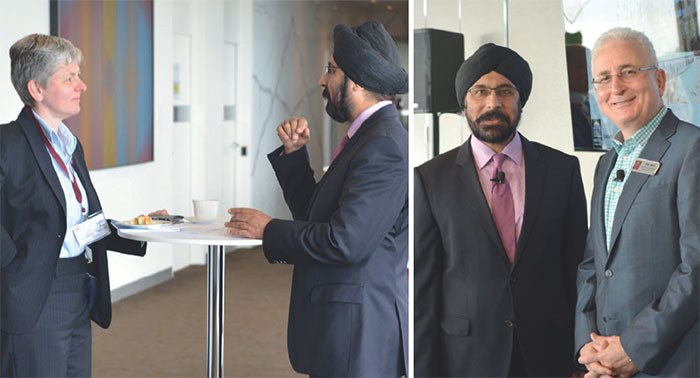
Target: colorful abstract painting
x: 115, y: 124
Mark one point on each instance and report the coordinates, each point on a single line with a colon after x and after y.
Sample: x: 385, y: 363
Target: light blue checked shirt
x: 627, y: 152
x: 64, y: 142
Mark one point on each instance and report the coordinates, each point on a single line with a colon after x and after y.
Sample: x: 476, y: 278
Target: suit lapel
x: 656, y: 147
x: 42, y: 157
x: 477, y: 205
x: 82, y: 172
x: 607, y: 163
x: 535, y: 171
x: 348, y: 150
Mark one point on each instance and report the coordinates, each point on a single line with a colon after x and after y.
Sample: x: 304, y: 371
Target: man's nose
x: 617, y: 85
x: 493, y: 100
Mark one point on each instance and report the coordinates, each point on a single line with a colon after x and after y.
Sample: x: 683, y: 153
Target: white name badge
x: 94, y: 228
x: 645, y: 166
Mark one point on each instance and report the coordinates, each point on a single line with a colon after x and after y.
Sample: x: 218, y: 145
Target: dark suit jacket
x: 646, y: 290
x: 348, y: 314
x: 469, y: 298
x: 33, y: 225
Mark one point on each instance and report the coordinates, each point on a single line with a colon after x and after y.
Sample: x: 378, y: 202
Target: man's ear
x: 660, y: 78
x: 35, y: 90
x: 353, y: 86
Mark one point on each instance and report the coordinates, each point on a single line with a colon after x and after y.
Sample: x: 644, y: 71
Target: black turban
x: 502, y: 60
x: 369, y: 57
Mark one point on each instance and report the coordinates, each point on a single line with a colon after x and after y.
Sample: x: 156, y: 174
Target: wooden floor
x: 162, y: 332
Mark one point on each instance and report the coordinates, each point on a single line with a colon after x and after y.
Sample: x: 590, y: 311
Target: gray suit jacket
x: 646, y: 288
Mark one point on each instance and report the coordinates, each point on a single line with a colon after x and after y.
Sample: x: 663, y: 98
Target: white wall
x: 285, y: 75
x: 536, y: 31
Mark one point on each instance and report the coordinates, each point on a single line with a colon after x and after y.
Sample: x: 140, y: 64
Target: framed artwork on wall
x: 115, y: 124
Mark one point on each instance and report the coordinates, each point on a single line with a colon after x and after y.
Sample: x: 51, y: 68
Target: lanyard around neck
x: 71, y: 177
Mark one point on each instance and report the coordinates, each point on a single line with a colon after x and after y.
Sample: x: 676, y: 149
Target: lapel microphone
x: 500, y: 177
x: 619, y: 175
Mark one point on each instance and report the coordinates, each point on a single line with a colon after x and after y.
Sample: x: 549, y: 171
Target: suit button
x: 58, y: 236
x: 605, y: 319
x: 608, y: 273
x: 509, y: 323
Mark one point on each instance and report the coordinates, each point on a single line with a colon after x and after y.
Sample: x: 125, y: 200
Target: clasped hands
x: 604, y: 357
x: 251, y: 223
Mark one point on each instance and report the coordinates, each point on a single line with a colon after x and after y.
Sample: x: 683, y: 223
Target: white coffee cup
x: 205, y: 209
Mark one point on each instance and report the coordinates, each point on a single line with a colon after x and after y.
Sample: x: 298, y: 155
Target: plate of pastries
x: 142, y: 222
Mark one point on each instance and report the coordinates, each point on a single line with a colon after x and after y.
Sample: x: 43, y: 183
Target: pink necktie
x: 503, y: 209
x: 343, y: 142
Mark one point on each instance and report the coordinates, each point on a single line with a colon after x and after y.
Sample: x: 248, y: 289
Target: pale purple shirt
x: 364, y: 115
x: 514, y: 168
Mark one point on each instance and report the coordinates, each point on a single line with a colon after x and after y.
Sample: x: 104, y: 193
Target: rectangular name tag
x: 94, y: 228
x: 645, y: 166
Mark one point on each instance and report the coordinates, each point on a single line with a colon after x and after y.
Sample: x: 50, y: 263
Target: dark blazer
x: 33, y: 225
x: 348, y: 314
x: 645, y: 290
x: 469, y: 299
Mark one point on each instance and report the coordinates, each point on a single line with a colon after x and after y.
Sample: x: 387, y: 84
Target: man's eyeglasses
x: 329, y: 69
x: 505, y: 92
x: 627, y: 75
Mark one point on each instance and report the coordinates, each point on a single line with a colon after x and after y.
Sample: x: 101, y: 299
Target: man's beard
x: 340, y: 110
x: 494, y: 133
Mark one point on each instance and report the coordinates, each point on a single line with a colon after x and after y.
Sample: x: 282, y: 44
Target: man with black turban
x: 500, y: 226
x: 348, y: 313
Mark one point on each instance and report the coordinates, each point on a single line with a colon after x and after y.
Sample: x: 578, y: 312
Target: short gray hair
x: 37, y: 57
x: 626, y: 34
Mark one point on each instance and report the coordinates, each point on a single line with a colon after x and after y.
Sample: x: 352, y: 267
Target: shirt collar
x: 641, y: 136
x: 364, y: 115
x: 63, y: 141
x: 483, y: 153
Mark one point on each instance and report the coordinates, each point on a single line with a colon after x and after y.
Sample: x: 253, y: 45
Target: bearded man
x: 500, y: 227
x: 348, y: 313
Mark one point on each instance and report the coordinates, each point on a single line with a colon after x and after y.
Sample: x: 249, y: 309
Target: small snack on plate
x: 142, y: 220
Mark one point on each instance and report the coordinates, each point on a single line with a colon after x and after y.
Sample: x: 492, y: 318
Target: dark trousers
x: 60, y: 344
x: 517, y: 364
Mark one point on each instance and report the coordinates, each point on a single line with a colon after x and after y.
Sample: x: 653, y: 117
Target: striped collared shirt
x: 627, y: 152
x: 64, y: 142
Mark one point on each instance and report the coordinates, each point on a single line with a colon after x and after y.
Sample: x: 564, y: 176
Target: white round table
x: 212, y: 234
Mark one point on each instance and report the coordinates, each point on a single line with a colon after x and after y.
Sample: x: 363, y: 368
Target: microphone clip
x: 500, y: 178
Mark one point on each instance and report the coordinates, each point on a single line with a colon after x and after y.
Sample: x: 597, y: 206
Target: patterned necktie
x: 502, y: 208
x: 343, y: 142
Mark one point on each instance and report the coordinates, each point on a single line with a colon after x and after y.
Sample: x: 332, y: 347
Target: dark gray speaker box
x: 438, y: 54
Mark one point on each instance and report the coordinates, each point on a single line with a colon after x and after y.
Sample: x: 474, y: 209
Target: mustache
x: 493, y: 114
x: 326, y: 94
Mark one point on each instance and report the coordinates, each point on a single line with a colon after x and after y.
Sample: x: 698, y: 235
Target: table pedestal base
x: 215, y: 310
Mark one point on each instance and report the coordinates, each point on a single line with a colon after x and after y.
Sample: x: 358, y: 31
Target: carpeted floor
x: 162, y: 331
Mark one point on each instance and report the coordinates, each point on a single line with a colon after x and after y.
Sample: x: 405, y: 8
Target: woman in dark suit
x: 54, y: 277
